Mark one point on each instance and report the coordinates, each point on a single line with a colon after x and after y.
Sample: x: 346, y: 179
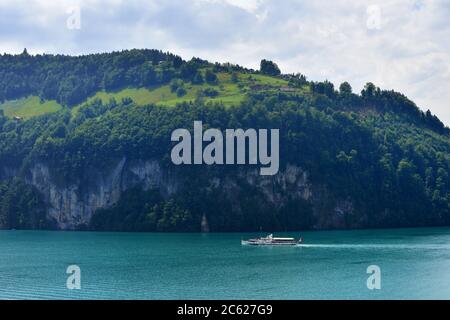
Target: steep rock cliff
x: 72, y: 205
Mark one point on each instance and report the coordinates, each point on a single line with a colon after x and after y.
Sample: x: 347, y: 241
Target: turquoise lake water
x: 415, y: 264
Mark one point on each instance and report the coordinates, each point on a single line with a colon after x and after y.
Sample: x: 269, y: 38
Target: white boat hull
x: 274, y: 244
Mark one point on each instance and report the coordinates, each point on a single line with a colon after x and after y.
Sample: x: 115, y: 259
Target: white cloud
x: 250, y: 5
x: 407, y: 50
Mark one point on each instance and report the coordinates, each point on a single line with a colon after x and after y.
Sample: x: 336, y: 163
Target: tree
x: 345, y: 88
x: 234, y: 77
x: 181, y: 91
x: 297, y: 80
x: 188, y: 70
x: 210, y: 92
x: 326, y: 88
x: 369, y: 90
x: 269, y: 68
x: 175, y: 84
x: 211, y: 77
x: 198, y: 78
x: 177, y: 62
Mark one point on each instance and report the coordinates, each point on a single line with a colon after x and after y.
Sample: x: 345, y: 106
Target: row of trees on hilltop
x: 371, y: 96
x: 383, y: 101
x: 70, y: 80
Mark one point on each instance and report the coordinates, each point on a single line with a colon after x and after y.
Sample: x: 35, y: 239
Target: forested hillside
x: 73, y: 127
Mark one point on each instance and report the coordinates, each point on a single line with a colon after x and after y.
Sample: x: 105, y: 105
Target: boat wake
x: 378, y: 246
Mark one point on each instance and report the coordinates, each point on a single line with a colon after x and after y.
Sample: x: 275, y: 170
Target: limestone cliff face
x: 71, y: 205
x: 294, y: 183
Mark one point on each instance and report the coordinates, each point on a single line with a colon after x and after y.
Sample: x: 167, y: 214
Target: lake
x: 414, y: 264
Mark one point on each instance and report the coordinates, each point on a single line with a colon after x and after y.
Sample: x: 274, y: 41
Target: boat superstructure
x: 270, y: 240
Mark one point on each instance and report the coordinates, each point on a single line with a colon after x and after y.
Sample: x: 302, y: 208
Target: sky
x: 397, y: 44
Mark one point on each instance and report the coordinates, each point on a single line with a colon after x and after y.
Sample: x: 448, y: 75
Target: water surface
x: 415, y: 264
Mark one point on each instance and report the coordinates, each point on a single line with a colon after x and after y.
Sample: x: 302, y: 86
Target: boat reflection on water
x: 270, y: 240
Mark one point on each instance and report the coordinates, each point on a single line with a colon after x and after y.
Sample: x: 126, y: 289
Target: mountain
x: 85, y: 143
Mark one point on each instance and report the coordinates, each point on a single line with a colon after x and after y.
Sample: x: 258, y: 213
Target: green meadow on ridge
x: 229, y: 93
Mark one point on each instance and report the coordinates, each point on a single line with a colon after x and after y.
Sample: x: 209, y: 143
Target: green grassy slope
x: 28, y: 107
x: 229, y: 93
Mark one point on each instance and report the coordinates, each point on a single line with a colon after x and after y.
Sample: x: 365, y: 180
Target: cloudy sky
x: 397, y: 44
